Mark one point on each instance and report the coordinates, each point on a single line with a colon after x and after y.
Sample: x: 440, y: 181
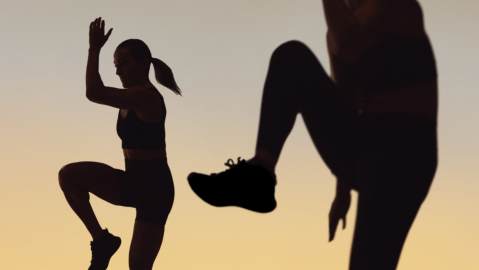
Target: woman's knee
x: 294, y: 63
x: 292, y: 50
x: 68, y: 175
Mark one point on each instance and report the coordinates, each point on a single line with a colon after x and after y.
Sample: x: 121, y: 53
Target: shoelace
x: 231, y: 164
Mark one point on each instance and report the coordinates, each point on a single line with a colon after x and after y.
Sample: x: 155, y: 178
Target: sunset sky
x: 219, y: 52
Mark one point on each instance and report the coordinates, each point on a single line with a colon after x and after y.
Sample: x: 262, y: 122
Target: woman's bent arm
x: 94, y: 84
x: 352, y: 30
x: 137, y: 97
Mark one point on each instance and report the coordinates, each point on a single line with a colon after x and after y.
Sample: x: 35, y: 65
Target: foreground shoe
x: 102, y: 249
x: 244, y: 185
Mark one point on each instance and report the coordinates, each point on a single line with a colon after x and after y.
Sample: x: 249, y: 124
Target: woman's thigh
x: 397, y: 154
x: 297, y: 81
x: 97, y: 178
x: 382, y: 224
x: 385, y: 215
x: 397, y: 164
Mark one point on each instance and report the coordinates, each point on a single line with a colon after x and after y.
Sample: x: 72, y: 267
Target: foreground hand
x: 339, y: 210
x: 97, y: 34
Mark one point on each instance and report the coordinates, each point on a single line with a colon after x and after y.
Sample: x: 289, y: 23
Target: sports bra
x: 138, y: 134
x: 393, y: 62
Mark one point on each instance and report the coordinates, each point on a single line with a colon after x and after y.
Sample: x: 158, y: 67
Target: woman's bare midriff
x: 144, y: 154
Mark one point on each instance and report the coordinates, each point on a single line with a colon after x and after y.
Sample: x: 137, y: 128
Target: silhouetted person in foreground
x: 146, y: 183
x: 373, y: 123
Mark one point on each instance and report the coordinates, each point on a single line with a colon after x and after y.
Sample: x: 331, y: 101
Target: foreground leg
x: 397, y: 166
x: 296, y: 83
x: 382, y: 225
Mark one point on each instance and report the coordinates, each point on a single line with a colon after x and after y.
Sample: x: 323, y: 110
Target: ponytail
x: 164, y: 75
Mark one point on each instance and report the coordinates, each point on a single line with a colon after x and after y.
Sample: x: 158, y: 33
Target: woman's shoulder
x: 149, y: 93
x: 151, y: 105
x: 158, y: 108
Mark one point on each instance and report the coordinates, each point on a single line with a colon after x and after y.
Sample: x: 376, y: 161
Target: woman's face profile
x: 127, y: 68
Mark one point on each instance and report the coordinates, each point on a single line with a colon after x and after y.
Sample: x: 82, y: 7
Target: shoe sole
x: 260, y: 205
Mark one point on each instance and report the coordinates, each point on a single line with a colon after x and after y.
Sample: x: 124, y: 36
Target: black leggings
x: 389, y: 158
x: 397, y: 160
x: 147, y: 186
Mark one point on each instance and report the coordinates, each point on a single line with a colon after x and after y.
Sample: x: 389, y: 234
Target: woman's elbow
x: 92, y: 94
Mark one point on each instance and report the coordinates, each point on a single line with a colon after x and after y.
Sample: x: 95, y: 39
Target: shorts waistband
x: 144, y: 154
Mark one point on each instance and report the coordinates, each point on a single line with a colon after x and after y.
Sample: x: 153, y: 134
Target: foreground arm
x: 352, y: 31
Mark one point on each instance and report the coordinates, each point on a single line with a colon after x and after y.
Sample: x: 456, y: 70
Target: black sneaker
x: 102, y: 249
x: 244, y: 185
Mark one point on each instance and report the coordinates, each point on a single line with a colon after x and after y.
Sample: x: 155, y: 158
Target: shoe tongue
x: 105, y: 234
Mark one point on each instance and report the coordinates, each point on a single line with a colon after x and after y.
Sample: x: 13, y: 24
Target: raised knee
x: 291, y: 48
x: 65, y: 176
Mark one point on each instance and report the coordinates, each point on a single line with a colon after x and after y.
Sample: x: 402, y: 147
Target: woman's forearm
x: 94, y: 84
x: 342, y: 187
x: 351, y: 31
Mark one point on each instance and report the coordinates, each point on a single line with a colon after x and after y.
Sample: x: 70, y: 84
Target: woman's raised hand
x: 98, y: 37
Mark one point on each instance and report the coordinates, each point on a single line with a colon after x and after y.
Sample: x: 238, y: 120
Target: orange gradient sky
x: 219, y: 51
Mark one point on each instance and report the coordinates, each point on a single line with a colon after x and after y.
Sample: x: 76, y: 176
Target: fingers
x: 333, y: 224
x: 94, y: 23
x: 337, y: 213
x: 332, y: 230
x: 91, y: 29
x: 97, y: 29
x: 108, y: 34
x: 98, y: 23
x: 97, y: 33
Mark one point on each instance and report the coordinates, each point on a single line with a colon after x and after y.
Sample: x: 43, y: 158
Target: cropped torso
x: 137, y: 134
x: 397, y: 72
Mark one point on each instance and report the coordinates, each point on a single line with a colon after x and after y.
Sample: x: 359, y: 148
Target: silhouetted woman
x: 146, y: 183
x: 373, y: 123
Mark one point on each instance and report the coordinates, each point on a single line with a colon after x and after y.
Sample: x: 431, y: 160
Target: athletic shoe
x: 102, y: 249
x: 243, y: 184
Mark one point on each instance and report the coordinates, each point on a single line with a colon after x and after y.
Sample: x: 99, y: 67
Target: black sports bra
x: 138, y: 134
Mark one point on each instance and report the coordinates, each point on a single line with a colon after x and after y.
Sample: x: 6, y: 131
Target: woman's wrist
x: 342, y: 187
x: 94, y: 50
